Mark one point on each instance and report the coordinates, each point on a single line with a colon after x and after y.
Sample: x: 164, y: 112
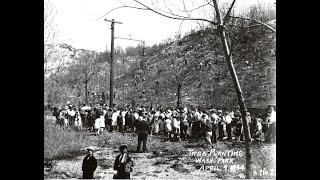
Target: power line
x: 143, y: 42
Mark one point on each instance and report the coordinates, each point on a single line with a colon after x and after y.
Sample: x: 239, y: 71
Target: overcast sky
x: 77, y: 25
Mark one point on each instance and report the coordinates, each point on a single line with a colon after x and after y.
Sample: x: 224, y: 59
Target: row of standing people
x: 68, y: 117
x: 184, y: 124
x: 212, y: 125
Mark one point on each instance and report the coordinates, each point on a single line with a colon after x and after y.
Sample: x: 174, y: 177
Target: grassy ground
x: 164, y: 159
x: 62, y: 143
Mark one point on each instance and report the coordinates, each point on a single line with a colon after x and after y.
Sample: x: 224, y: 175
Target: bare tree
x: 84, y: 69
x: 55, y: 53
x: 49, y: 32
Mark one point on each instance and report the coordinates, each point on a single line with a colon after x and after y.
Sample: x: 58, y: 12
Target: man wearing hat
x: 89, y: 164
x: 123, y: 164
x: 143, y: 130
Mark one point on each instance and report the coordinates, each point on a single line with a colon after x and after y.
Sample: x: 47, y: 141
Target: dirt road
x: 159, y: 163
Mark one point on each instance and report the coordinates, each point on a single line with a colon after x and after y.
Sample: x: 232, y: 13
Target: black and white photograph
x: 159, y: 89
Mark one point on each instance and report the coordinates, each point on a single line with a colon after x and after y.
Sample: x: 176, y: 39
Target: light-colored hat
x: 90, y: 148
x: 219, y: 111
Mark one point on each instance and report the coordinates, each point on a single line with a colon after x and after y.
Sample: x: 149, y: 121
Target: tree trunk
x: 86, y: 91
x: 103, y: 97
x: 240, y: 98
x: 49, y: 98
x: 178, y: 94
x: 243, y: 109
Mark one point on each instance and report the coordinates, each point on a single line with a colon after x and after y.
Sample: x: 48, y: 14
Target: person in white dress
x: 102, y: 124
x: 78, y: 121
x: 168, y: 128
x: 97, y: 126
x: 123, y: 114
x: 136, y: 120
x: 228, y: 120
x: 176, y: 127
x: 272, y: 127
x: 156, y: 125
x: 176, y: 124
x: 184, y: 126
x: 114, y: 118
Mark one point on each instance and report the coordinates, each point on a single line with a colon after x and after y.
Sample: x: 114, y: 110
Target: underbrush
x: 62, y: 143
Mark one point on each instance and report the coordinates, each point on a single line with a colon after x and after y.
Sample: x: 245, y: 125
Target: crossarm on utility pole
x: 113, y: 21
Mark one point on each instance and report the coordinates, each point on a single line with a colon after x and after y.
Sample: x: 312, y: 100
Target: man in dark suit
x: 89, y: 164
x: 108, y: 119
x: 123, y: 164
x: 143, y: 130
x: 220, y: 125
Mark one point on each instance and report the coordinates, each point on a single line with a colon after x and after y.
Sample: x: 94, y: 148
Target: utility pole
x: 111, y: 95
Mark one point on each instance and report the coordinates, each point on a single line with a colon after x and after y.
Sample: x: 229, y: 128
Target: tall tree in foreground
x: 223, y: 33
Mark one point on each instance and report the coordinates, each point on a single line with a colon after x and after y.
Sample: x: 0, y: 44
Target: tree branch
x: 229, y: 31
x: 179, y: 31
x: 259, y: 22
x: 245, y: 26
x: 167, y: 6
x: 199, y: 7
x: 226, y: 18
x: 188, y: 11
x: 209, y: 3
x: 175, y: 16
x: 171, y: 16
x: 125, y: 6
x: 171, y: 13
x: 185, y: 9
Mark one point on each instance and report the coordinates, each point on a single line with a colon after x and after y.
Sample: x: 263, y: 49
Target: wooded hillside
x: 188, y: 70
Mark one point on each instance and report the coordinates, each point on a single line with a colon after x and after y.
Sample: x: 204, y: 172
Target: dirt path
x: 163, y: 164
x: 146, y: 166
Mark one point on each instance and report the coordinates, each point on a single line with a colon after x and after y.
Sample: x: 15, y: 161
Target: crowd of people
x: 176, y: 124
x: 180, y: 124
